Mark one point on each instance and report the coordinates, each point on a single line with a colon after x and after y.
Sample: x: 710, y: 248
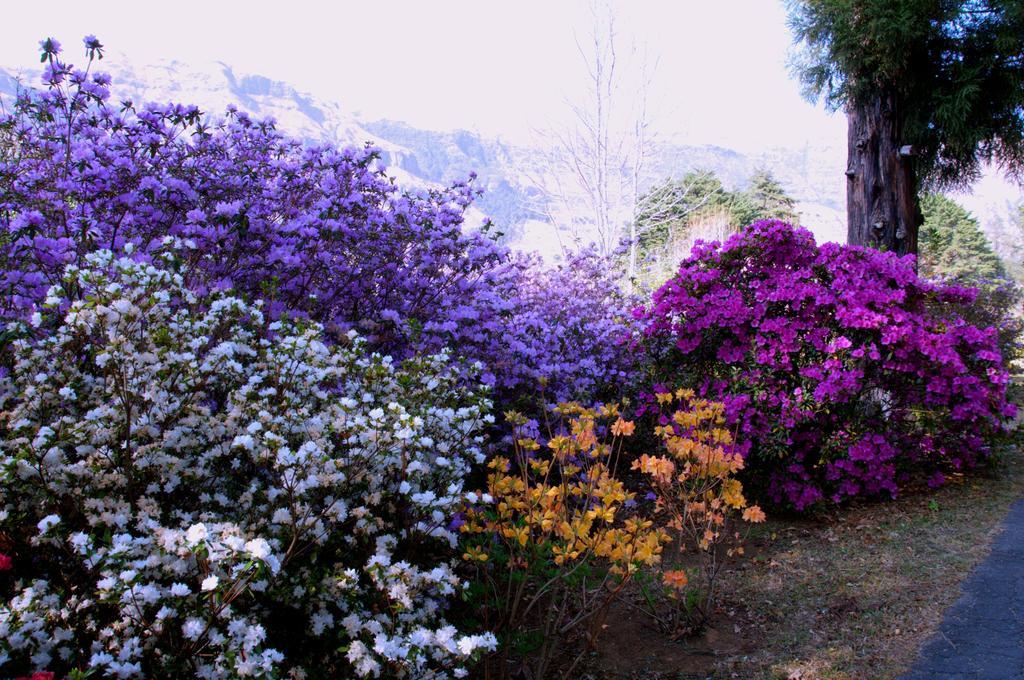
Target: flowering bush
x: 843, y: 372
x: 696, y: 490
x: 1000, y: 304
x: 189, y: 488
x: 569, y: 327
x: 314, y: 231
x: 555, y: 538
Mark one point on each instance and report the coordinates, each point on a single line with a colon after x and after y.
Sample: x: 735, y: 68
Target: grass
x: 850, y: 594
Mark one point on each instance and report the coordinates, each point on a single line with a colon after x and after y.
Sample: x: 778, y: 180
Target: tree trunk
x: 882, y: 207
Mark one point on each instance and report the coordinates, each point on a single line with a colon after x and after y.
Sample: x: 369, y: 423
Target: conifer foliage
x: 932, y: 90
x: 953, y: 245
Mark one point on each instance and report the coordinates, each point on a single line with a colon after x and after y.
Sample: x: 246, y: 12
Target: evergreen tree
x: 665, y: 210
x: 769, y: 199
x: 932, y: 90
x: 698, y: 206
x: 953, y: 246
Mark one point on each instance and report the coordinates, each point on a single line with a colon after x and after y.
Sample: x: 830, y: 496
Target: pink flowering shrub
x: 191, y: 489
x: 845, y: 373
x: 315, y: 231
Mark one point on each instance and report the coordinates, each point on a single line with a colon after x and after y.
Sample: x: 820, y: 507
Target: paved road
x: 982, y: 635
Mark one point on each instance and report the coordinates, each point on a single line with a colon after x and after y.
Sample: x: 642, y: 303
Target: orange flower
x: 659, y: 468
x: 675, y: 579
x: 623, y: 428
x: 753, y: 514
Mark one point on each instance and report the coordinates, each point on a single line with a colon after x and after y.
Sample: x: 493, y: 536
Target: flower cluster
x: 696, y: 490
x: 556, y: 536
x: 315, y: 231
x: 843, y: 372
x: 188, y: 487
x: 570, y: 326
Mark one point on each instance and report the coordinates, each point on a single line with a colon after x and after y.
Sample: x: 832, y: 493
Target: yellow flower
x: 686, y: 418
x: 560, y: 445
x: 528, y: 444
x: 586, y: 439
x: 732, y: 493
x: 721, y: 436
x: 515, y: 418
x: 540, y: 467
x: 520, y: 534
x: 475, y: 554
x: 656, y: 466
x: 684, y: 393
x: 563, y: 554
x: 605, y: 513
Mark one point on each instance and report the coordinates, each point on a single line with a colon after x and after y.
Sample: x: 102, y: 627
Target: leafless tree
x: 594, y: 172
x: 594, y: 169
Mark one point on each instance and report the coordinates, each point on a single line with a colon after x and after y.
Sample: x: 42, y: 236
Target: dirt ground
x: 848, y: 594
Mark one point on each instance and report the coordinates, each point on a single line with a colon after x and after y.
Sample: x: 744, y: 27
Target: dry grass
x: 855, y: 595
x: 852, y: 594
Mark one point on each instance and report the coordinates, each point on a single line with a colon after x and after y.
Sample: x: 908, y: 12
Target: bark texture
x: 881, y: 189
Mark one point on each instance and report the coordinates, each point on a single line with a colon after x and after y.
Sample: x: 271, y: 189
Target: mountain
x: 812, y: 174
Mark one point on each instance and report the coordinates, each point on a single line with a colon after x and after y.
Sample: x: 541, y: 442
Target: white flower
x: 47, y: 523
x: 256, y: 436
x: 192, y: 629
x: 258, y: 548
x: 196, y: 533
x: 148, y: 593
x: 81, y: 542
x: 470, y: 643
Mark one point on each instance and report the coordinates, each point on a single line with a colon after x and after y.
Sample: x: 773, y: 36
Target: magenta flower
x: 846, y: 372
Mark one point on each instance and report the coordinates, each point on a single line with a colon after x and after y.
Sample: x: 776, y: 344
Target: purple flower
x: 318, y: 232
x: 49, y: 46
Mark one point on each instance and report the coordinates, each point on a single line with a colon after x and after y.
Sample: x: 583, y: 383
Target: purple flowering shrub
x: 844, y: 372
x: 570, y: 327
x: 315, y: 231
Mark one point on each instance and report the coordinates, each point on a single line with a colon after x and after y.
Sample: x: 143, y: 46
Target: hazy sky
x: 501, y: 68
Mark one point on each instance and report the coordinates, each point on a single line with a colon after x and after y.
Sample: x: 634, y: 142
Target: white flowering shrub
x: 190, y: 490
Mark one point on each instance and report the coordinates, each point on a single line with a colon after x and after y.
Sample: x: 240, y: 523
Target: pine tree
x: 665, y: 210
x: 932, y: 90
x: 677, y: 212
x: 769, y: 198
x: 953, y: 246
